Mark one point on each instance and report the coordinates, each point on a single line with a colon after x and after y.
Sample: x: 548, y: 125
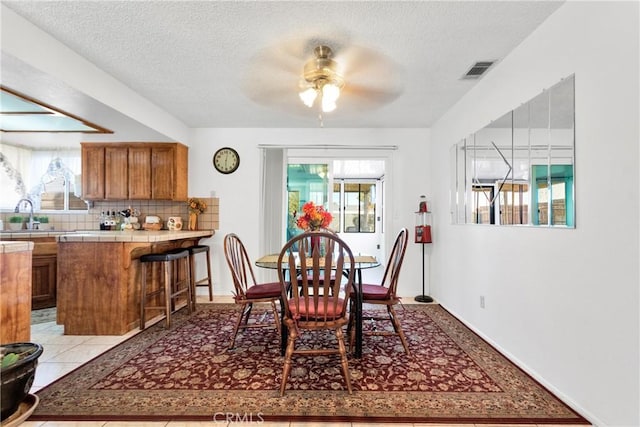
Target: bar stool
x: 205, y: 281
x: 172, y: 287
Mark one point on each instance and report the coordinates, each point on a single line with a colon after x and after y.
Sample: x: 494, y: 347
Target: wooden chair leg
x: 192, y: 281
x: 286, y: 370
x: 343, y: 359
x: 143, y: 294
x: 167, y: 292
x: 398, y: 328
x: 235, y: 329
x: 209, y: 277
x: 276, y: 317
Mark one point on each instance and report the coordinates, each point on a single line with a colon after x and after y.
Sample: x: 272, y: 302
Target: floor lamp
x: 423, y: 237
x: 424, y: 297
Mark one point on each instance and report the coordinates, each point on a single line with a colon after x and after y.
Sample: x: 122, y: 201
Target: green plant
x: 42, y: 219
x: 15, y: 219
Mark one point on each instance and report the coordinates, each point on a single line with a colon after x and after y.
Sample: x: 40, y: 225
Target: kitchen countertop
x: 9, y: 247
x: 109, y: 236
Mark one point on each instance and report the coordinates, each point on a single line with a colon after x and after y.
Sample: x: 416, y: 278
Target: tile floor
x: 63, y: 353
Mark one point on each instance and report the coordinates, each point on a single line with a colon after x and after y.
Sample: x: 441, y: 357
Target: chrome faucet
x: 17, y: 210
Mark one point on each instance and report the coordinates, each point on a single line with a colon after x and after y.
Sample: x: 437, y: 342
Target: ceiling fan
x: 318, y: 72
x: 321, y: 78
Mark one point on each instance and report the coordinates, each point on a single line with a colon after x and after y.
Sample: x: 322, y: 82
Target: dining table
x: 361, y: 262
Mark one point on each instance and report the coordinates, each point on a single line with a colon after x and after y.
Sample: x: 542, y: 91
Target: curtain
x: 272, y: 202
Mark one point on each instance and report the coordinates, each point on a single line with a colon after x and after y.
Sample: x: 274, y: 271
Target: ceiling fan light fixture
x: 330, y: 92
x: 328, y: 106
x: 322, y: 79
x: 308, y: 96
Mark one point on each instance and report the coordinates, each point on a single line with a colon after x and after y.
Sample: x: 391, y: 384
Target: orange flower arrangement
x: 314, y: 217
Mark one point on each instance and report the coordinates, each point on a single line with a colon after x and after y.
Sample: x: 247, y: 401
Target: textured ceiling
x: 238, y: 64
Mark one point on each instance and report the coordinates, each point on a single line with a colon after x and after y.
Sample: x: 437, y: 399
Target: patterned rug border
x: 253, y: 400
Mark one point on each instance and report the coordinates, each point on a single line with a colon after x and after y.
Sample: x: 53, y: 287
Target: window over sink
x: 49, y: 178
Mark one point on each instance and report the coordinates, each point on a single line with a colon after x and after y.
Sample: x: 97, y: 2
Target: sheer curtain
x: 15, y: 180
x: 274, y: 161
x: 25, y: 172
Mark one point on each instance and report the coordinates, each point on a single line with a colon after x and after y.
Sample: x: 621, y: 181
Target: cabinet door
x: 162, y: 173
x: 139, y: 173
x: 116, y: 181
x: 43, y: 282
x: 92, y: 172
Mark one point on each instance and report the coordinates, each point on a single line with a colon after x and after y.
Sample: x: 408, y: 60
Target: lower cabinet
x: 43, y: 281
x: 44, y: 270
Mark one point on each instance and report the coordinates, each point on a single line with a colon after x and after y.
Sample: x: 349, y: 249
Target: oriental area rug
x: 187, y: 373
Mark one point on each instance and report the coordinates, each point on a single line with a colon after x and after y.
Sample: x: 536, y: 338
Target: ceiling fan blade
x: 368, y: 97
x: 364, y: 64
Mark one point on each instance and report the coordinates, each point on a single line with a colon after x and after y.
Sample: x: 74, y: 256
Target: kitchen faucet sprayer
x: 17, y: 210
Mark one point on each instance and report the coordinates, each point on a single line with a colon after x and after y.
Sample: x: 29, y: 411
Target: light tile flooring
x: 64, y: 353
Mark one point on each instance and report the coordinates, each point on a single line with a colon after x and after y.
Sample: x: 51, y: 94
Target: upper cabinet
x: 139, y: 177
x: 93, y: 172
x: 115, y: 173
x: 134, y: 171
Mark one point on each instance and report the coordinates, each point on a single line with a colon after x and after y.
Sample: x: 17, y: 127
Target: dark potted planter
x: 19, y: 361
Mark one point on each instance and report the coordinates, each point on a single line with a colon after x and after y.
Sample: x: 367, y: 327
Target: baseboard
x: 532, y: 373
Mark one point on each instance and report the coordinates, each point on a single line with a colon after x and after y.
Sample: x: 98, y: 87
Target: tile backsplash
x: 208, y: 220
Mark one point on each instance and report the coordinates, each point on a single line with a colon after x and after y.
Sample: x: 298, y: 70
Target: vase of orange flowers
x: 314, y: 217
x: 196, y: 207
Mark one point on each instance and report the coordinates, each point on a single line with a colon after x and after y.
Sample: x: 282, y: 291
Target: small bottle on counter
x: 102, y: 220
x: 110, y: 221
x: 116, y: 220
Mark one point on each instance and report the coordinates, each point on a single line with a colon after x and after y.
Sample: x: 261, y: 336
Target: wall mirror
x: 519, y: 169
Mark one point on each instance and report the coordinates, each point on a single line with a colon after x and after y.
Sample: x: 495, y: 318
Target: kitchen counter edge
x: 111, y: 236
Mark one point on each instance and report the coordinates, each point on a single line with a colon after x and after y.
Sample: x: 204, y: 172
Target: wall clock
x: 226, y: 160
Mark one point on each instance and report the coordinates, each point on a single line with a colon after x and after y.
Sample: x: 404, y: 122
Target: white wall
x: 564, y: 303
x: 239, y: 192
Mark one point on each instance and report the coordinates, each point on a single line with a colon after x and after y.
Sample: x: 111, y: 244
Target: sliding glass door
x: 305, y: 182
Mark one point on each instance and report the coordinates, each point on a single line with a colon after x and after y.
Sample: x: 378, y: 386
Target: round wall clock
x: 226, y: 160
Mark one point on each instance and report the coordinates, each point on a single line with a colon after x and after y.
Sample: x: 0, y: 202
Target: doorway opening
x: 351, y: 189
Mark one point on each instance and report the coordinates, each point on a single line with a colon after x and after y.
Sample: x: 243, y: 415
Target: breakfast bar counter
x: 99, y: 277
x: 15, y: 291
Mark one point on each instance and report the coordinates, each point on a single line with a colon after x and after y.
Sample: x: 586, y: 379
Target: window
x: 359, y: 207
x: 51, y: 178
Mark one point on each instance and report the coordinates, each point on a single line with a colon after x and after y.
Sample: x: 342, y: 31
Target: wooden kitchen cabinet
x: 15, y: 292
x: 134, y: 171
x: 92, y: 172
x: 44, y: 270
x: 43, y: 281
x: 116, y: 177
x: 169, y: 172
x: 140, y: 173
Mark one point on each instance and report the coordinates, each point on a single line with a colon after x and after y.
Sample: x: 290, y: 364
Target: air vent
x: 478, y: 69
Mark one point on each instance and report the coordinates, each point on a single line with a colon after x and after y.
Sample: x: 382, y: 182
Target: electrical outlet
x: 481, y: 301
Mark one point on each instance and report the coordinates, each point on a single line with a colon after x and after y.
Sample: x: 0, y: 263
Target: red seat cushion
x: 264, y: 290
x: 376, y: 292
x: 333, y: 312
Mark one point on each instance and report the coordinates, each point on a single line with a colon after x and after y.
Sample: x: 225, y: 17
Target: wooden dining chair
x: 247, y: 290
x: 312, y: 304
x: 385, y: 293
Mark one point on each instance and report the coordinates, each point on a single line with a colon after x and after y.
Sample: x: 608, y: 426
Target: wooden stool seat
x: 173, y: 286
x: 205, y: 281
